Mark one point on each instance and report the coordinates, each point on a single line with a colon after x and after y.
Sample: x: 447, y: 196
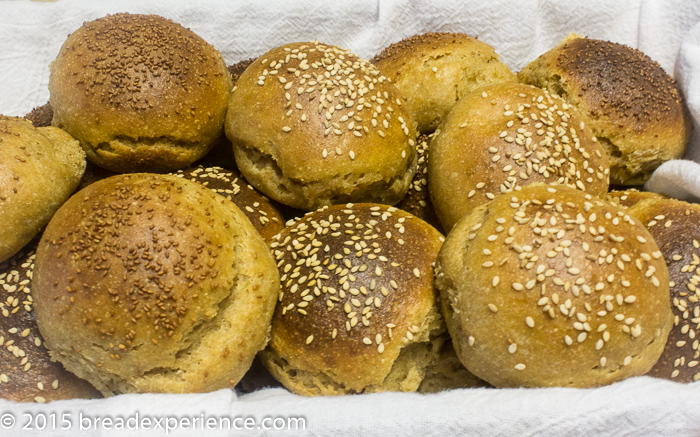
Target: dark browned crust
x: 27, y: 373
x: 417, y: 200
x: 620, y: 83
x: 229, y: 183
x: 238, y: 68
x: 41, y: 115
x: 348, y: 356
x: 675, y: 225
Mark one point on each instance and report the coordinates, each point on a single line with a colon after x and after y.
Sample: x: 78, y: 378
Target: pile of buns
x: 421, y: 221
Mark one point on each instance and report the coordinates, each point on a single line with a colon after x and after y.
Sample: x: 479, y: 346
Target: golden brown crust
x: 550, y: 286
x: 139, y: 92
x: 628, y: 198
x: 633, y: 106
x: 434, y: 70
x: 230, y: 184
x: 27, y: 373
x: 504, y: 136
x: 308, y: 140
x: 675, y: 225
x: 357, y: 294
x: 417, y: 200
x: 153, y: 283
x: 39, y: 169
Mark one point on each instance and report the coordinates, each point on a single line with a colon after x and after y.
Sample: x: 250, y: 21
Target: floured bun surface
x: 151, y: 283
x: 434, y: 70
x: 357, y: 310
x: 632, y: 105
x: 27, y: 373
x: 549, y: 286
x: 140, y: 93
x: 313, y: 125
x: 505, y: 136
x: 39, y: 170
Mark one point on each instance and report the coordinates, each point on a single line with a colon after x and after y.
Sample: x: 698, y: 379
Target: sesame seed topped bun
x: 502, y: 137
x: 27, y: 373
x: 312, y: 125
x: 675, y: 226
x: 268, y: 221
x: 152, y: 283
x: 417, y: 200
x: 632, y: 105
x: 140, y: 92
x: 550, y: 286
x: 627, y: 198
x: 357, y: 309
x: 434, y: 70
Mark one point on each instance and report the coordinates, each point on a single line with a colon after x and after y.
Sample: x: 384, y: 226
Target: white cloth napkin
x: 31, y: 34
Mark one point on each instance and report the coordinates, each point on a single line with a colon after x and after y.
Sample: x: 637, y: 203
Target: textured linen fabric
x: 31, y: 34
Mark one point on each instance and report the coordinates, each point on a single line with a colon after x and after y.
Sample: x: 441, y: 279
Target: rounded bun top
x: 504, y: 136
x: 551, y: 286
x: 434, y: 70
x: 136, y: 269
x: 632, y: 105
x: 638, y: 91
x: 324, y: 124
x: 357, y: 287
x: 139, y: 80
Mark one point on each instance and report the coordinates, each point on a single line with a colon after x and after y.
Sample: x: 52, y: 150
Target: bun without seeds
x: 435, y: 70
x: 39, y: 170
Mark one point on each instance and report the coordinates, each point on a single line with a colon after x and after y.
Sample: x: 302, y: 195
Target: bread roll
x: 39, y: 169
x: 503, y: 137
x: 264, y: 216
x: 632, y: 105
x: 313, y: 125
x: 150, y: 283
x: 675, y: 225
x: 357, y: 309
x: 140, y: 93
x: 448, y: 373
x: 417, y: 200
x: 27, y: 373
x: 550, y: 286
x: 434, y: 70
x: 627, y: 198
